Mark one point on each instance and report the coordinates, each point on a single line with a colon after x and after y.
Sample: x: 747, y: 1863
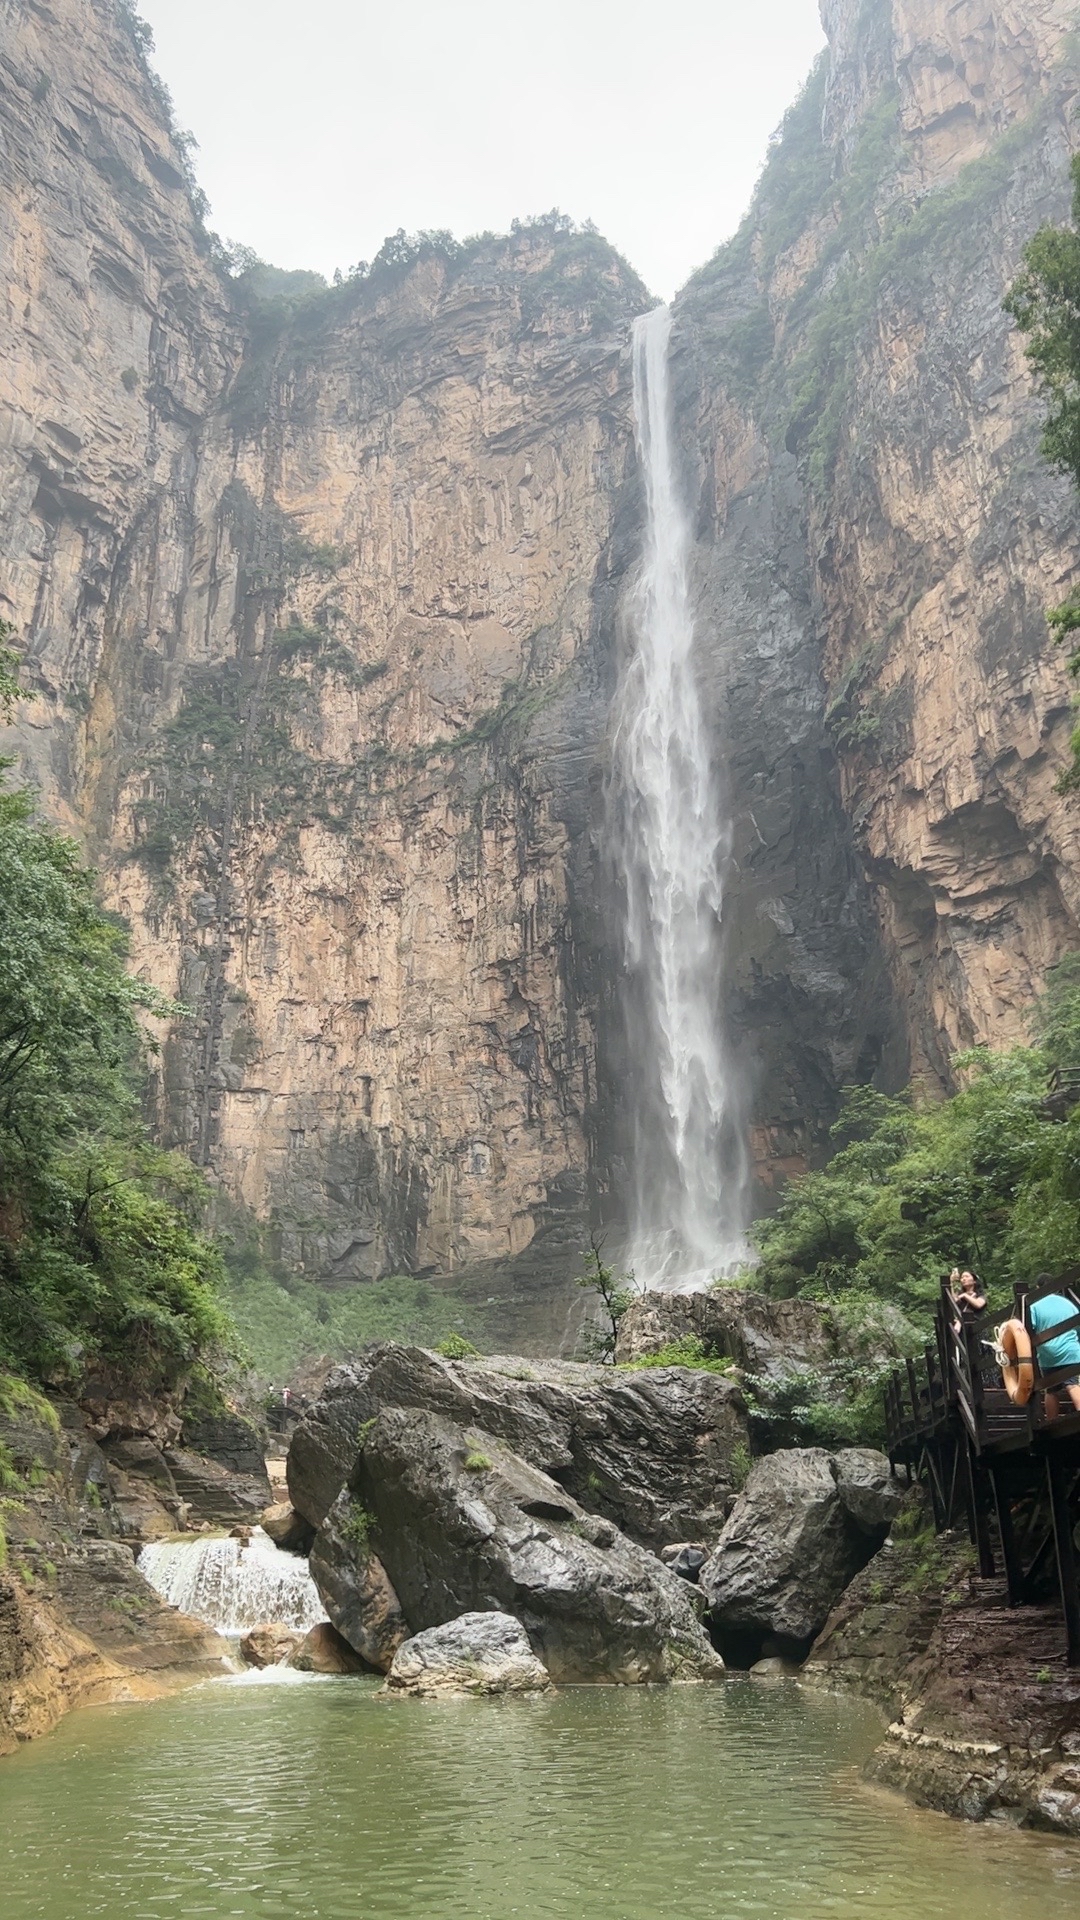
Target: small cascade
x: 234, y: 1585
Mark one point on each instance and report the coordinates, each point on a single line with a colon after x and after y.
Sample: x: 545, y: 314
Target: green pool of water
x: 319, y: 1800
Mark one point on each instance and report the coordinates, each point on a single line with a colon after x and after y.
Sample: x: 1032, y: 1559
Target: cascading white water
x: 689, y: 1162
x: 231, y: 1585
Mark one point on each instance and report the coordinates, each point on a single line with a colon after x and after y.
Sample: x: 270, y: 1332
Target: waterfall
x: 233, y: 1586
x: 688, y: 1157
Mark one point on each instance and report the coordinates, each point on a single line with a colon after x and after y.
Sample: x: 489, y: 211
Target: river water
x: 321, y: 1800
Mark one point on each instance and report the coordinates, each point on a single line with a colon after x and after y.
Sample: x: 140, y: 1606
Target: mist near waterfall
x: 688, y: 1171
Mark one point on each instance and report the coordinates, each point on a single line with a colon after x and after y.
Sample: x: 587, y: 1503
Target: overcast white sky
x: 324, y: 125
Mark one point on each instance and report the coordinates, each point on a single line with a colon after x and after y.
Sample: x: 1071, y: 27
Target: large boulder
x: 354, y: 1587
x: 462, y: 1524
x: 869, y: 1491
x: 653, y: 1450
x: 768, y: 1339
x: 287, y: 1528
x: 324, y: 1650
x: 762, y: 1336
x: 479, y: 1653
x: 805, y: 1524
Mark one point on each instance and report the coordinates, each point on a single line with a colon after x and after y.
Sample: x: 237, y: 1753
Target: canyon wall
x: 880, y: 537
x: 316, y: 595
x: 319, y: 591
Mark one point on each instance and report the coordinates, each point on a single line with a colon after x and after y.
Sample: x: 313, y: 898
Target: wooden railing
x: 1003, y: 1467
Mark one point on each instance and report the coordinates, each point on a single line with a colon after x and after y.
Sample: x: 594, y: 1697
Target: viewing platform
x: 991, y: 1463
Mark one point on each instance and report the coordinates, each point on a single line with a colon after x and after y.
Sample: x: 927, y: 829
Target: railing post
x: 1014, y: 1572
x: 980, y: 1532
x: 1057, y: 1479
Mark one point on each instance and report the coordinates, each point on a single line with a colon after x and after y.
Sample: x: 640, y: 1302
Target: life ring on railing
x: 1017, y: 1363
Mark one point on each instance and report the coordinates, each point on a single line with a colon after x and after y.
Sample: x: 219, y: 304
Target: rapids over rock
x: 233, y: 1584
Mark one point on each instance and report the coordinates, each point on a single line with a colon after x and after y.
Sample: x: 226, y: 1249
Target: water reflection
x: 325, y: 1800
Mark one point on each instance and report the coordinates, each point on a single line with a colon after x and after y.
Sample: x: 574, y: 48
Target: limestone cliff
x: 314, y: 607
x: 319, y: 596
x: 879, y: 536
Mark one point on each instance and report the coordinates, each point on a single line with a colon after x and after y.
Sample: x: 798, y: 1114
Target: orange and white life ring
x: 1017, y: 1362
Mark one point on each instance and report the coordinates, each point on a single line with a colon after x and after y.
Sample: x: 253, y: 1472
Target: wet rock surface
x: 79, y: 1622
x: 268, y: 1646
x: 985, y: 1713
x: 478, y: 1653
x: 325, y: 1650
x: 463, y: 1524
x: 287, y: 1528
x: 804, y: 1525
x: 354, y: 1586
x: 654, y: 1450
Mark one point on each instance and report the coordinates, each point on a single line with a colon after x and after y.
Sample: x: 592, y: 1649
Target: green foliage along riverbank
x: 101, y: 1258
x: 914, y: 1188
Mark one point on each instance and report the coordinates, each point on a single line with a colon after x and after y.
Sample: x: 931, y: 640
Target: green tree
x: 10, y: 690
x: 1044, y: 302
x: 614, y: 1293
x: 983, y: 1178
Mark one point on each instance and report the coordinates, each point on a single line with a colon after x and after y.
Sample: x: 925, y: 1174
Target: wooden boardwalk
x: 1005, y: 1471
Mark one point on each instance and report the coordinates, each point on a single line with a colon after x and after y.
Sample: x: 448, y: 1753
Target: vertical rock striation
x: 879, y: 540
x: 316, y: 603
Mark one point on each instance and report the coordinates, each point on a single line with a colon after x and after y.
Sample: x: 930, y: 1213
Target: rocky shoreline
x: 485, y: 1524
x: 85, y: 1484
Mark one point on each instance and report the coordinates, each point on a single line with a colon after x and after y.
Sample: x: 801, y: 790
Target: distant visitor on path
x: 968, y: 1296
x: 1043, y: 1314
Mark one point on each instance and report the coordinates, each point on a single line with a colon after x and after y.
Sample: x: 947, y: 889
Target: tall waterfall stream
x: 689, y: 1165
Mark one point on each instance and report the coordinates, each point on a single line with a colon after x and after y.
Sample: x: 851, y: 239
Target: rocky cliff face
x: 879, y: 538
x: 316, y: 610
x: 319, y: 596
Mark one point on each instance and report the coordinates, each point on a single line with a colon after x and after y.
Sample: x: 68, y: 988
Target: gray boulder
x: 478, y: 1653
x: 770, y: 1339
x: 762, y: 1336
x: 354, y: 1587
x: 805, y: 1524
x: 462, y: 1524
x: 871, y: 1494
x: 653, y: 1450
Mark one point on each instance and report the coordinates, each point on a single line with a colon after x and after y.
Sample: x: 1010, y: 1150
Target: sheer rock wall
x: 320, y: 613
x: 881, y: 538
x: 316, y: 613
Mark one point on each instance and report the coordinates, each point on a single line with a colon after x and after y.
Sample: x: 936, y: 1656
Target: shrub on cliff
x: 981, y: 1179
x: 100, y: 1255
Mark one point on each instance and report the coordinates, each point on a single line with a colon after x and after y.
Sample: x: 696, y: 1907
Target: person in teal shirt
x: 1064, y: 1351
